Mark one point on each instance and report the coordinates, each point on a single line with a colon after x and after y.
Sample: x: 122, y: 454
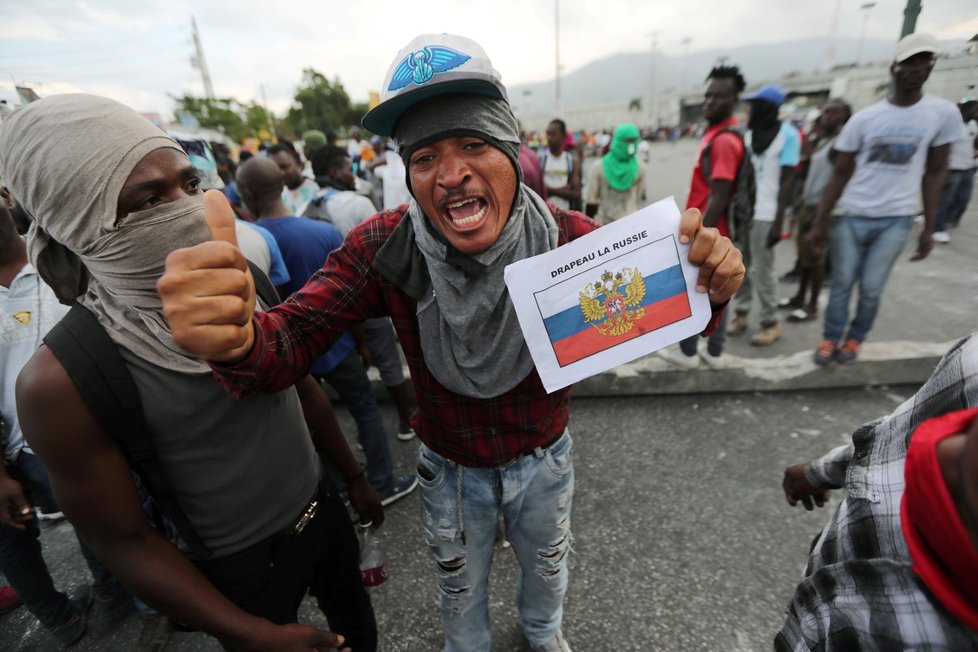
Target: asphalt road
x: 683, y: 540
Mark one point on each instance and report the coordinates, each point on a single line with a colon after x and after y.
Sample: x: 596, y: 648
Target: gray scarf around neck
x: 470, y: 335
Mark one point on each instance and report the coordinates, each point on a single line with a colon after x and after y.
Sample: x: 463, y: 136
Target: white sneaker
x: 408, y: 435
x: 48, y: 516
x: 675, y: 356
x: 715, y: 362
x: 941, y: 237
x: 556, y: 644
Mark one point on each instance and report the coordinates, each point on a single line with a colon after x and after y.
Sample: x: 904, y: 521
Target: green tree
x: 258, y: 120
x: 223, y: 114
x: 320, y: 104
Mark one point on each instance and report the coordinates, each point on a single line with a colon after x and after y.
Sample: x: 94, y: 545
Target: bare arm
x: 787, y: 182
x: 16, y: 509
x: 329, y: 440
x: 811, y: 483
x: 360, y: 337
x: 93, y: 484
x: 935, y: 175
x: 842, y: 171
x: 716, y: 205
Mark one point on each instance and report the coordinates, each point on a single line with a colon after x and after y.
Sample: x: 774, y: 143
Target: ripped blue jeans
x: 460, y: 507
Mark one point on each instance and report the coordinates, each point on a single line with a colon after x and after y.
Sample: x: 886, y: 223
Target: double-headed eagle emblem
x: 613, y: 302
x: 421, y: 66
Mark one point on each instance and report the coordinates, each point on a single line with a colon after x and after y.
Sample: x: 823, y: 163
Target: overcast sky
x: 139, y: 52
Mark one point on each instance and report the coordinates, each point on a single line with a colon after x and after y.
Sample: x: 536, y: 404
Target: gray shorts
x: 384, y: 352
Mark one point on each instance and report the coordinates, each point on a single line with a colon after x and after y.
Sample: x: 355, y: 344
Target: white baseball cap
x: 915, y: 43
x: 431, y: 65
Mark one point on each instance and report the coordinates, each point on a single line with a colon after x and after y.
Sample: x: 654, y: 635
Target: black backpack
x: 95, y: 366
x: 740, y: 209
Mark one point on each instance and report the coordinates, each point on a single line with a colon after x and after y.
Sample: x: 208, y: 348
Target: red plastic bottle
x: 373, y: 566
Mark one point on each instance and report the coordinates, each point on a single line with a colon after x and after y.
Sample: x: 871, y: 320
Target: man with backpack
x: 719, y: 178
x: 561, y: 172
x: 241, y: 481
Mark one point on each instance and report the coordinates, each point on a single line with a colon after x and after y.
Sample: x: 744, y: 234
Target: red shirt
x: 472, y: 432
x: 725, y: 155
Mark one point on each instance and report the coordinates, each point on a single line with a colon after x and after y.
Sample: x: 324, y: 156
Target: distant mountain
x: 626, y: 75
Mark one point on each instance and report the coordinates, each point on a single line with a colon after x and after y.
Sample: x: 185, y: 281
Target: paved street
x: 682, y: 538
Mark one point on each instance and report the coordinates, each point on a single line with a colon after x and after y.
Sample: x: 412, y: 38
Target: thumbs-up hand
x: 208, y: 292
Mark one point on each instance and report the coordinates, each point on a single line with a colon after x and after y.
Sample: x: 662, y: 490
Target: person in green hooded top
x: 617, y: 186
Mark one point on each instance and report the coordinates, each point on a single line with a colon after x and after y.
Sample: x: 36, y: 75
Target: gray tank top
x: 241, y: 471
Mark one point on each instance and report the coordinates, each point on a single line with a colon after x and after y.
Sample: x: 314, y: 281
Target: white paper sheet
x: 619, y: 293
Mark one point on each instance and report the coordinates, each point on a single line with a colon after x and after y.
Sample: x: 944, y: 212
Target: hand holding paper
x: 621, y: 292
x: 721, y: 263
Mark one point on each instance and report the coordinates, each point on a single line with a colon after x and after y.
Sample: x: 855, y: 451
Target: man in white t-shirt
x: 887, y: 155
x: 961, y: 176
x: 561, y: 173
x: 775, y: 148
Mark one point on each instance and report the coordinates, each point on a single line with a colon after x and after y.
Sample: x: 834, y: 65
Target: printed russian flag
x: 617, y: 299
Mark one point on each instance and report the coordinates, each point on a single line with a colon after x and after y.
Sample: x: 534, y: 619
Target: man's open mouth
x: 467, y: 211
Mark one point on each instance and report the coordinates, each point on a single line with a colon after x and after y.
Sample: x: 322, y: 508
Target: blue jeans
x: 21, y: 561
x: 350, y: 381
x: 460, y: 507
x: 955, y: 198
x: 863, y: 250
x: 714, y: 343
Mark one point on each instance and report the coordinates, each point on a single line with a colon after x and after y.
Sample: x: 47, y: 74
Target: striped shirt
x: 858, y: 591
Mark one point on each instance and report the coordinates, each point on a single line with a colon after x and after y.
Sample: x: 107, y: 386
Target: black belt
x: 305, y: 518
x: 541, y: 448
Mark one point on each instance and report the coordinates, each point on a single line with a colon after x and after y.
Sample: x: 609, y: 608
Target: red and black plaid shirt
x: 472, y: 432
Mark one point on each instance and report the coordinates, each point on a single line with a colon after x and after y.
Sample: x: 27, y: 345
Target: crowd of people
x: 187, y: 376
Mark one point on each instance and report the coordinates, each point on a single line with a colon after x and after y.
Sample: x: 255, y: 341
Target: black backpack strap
x: 96, y: 367
x: 705, y: 163
x: 263, y: 286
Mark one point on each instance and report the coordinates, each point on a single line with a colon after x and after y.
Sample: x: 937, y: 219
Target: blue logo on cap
x: 421, y: 66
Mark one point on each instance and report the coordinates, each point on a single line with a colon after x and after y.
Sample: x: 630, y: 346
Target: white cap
x: 915, y: 43
x: 430, y: 65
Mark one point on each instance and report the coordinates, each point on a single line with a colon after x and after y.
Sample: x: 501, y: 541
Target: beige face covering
x: 66, y: 158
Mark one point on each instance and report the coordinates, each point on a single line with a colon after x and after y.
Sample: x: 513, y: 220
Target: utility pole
x: 557, y: 103
x: 682, y: 78
x: 271, y: 118
x: 910, y: 17
x: 200, y: 63
x: 652, y: 108
x: 862, y: 35
x: 833, y: 36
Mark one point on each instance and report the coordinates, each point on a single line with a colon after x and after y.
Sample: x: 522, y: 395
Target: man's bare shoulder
x: 51, y: 409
